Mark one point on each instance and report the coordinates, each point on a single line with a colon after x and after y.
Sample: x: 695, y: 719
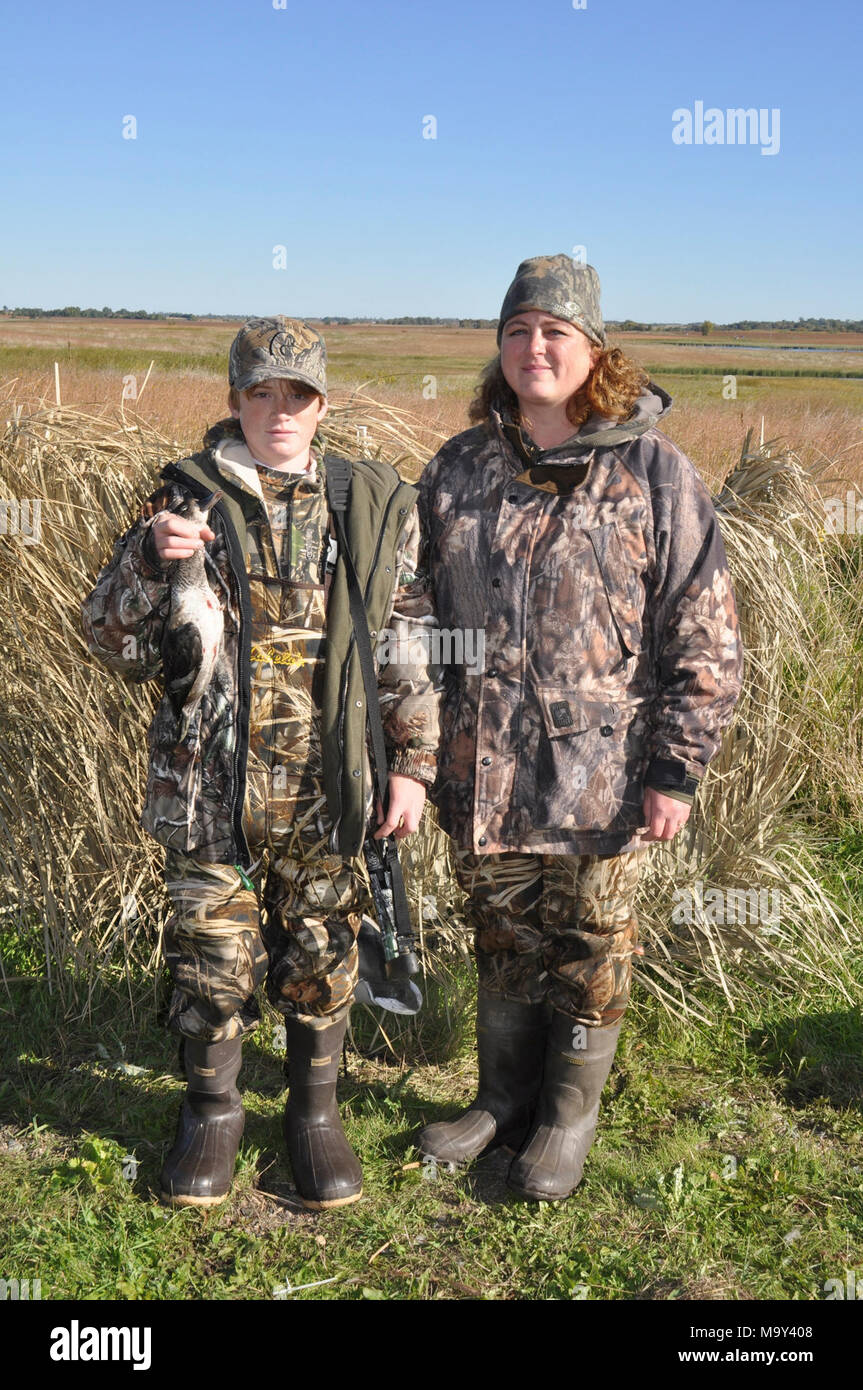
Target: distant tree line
x: 413, y: 321
x: 704, y: 327
x: 806, y: 325
x: 72, y: 311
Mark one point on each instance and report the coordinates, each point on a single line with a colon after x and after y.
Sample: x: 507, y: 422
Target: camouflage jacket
x: 596, y: 576
x: 272, y: 578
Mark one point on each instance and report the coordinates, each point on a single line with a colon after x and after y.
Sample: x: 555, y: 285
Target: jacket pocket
x: 566, y: 711
x: 620, y: 581
x: 573, y: 782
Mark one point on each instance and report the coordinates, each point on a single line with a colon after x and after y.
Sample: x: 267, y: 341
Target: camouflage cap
x: 278, y: 347
x: 560, y: 286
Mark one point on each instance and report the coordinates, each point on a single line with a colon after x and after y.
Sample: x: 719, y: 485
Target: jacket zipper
x: 241, y: 746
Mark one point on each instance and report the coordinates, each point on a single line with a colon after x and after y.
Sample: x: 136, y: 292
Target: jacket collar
x: 230, y: 453
x: 597, y: 432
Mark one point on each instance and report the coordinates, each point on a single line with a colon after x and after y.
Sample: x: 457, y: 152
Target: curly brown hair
x: 613, y: 387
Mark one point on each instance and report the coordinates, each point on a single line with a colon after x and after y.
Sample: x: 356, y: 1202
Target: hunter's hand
x: 406, y: 800
x: 663, y: 815
x: 176, y: 538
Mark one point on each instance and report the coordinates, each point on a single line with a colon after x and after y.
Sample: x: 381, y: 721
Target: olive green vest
x: 377, y: 514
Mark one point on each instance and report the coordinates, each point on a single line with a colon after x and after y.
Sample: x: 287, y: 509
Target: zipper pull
x: 244, y: 878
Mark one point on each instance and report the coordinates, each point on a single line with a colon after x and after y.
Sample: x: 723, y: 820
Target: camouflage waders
x: 219, y: 951
x: 555, y: 928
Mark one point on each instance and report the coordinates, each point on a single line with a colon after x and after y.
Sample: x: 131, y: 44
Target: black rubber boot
x: 511, y: 1038
x: 325, y: 1167
x: 200, y: 1167
x: 549, y: 1166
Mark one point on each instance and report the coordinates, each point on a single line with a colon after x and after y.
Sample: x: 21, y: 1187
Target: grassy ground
x: 729, y: 1165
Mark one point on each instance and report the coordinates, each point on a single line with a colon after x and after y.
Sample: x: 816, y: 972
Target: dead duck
x: 193, y: 640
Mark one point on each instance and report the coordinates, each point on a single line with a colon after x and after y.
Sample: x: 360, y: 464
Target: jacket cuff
x: 688, y: 797
x: 149, y: 555
x: 414, y: 762
x: 669, y: 775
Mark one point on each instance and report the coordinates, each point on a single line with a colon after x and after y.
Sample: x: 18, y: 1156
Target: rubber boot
x: 200, y: 1167
x: 325, y: 1167
x: 549, y: 1166
x: 511, y: 1038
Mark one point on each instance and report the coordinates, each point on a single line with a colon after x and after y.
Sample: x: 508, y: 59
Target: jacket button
x: 513, y: 497
x: 358, y: 703
x: 486, y: 762
x: 482, y: 840
x: 606, y: 731
x: 495, y: 583
x: 356, y: 772
x: 492, y: 672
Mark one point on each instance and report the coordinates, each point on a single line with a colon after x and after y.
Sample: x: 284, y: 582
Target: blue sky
x: 302, y: 127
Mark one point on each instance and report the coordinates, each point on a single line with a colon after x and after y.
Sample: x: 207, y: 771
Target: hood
x: 597, y: 432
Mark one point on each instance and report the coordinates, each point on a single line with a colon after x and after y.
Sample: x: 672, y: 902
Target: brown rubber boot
x: 200, y: 1167
x: 325, y: 1167
x: 511, y: 1038
x: 549, y: 1166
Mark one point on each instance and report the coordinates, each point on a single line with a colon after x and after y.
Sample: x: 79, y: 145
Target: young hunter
x: 230, y: 589
x: 572, y: 533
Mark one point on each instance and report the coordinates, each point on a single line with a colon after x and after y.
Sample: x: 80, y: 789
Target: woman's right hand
x: 663, y: 815
x: 176, y: 538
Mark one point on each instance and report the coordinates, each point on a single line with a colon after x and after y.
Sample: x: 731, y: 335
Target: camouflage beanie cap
x: 560, y: 286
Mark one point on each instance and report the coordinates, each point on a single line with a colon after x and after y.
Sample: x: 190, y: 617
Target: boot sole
x: 181, y: 1199
x: 334, y: 1202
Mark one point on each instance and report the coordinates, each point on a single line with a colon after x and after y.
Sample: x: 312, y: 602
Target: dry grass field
x: 431, y: 371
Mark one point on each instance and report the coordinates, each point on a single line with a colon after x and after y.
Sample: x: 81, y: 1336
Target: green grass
x: 17, y: 359
x: 366, y: 365
x: 349, y: 364
x: 746, y: 372
x: 455, y: 377
x: 728, y: 1164
x: 705, y: 388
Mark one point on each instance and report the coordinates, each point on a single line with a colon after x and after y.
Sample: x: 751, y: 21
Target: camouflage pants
x: 219, y: 946
x: 559, y: 927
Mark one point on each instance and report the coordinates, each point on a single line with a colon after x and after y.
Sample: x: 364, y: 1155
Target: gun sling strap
x: 338, y: 474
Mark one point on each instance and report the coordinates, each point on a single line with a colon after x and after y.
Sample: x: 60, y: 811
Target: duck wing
x: 182, y: 654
